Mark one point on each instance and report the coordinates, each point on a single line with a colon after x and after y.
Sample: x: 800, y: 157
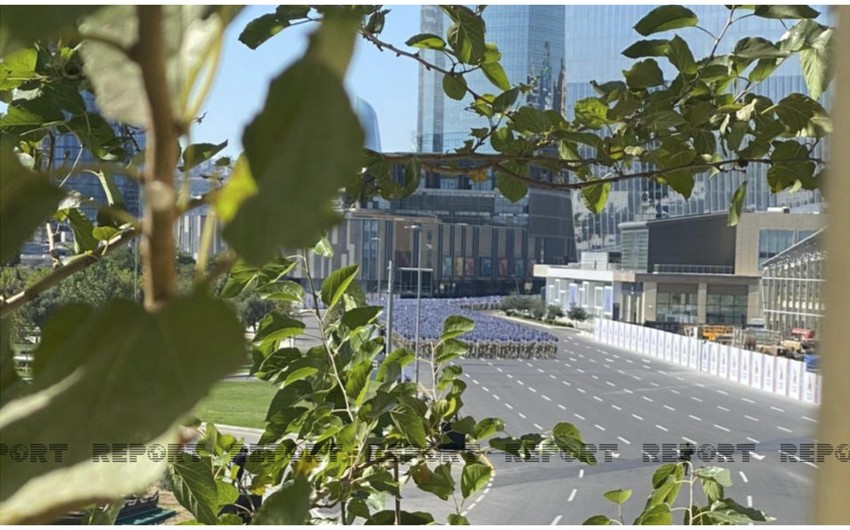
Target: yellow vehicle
x: 713, y: 333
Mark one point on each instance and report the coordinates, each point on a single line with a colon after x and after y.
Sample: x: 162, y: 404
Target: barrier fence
x: 777, y: 375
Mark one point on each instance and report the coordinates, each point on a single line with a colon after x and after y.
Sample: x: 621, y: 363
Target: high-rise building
x: 596, y: 35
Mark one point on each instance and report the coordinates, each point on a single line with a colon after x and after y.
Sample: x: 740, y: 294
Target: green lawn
x: 237, y: 403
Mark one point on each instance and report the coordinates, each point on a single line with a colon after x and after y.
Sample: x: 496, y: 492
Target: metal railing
x: 693, y: 269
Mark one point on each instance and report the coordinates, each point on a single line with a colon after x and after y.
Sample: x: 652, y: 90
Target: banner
x: 632, y: 337
x: 653, y: 340
x: 767, y: 380
x: 645, y: 346
x: 781, y: 376
x: 723, y: 366
x: 693, y: 353
x: 734, y: 359
x: 809, y: 382
x: 677, y: 348
x: 795, y: 378
x: 745, y: 367
x: 668, y: 347
x: 756, y: 360
x: 714, y: 350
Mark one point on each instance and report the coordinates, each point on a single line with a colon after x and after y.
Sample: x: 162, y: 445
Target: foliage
x: 554, y: 311
x: 667, y: 483
x: 577, y: 313
x: 103, y: 360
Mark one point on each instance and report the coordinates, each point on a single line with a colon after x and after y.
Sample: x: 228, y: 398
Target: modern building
x: 595, y: 37
x: 792, y: 285
x: 690, y: 270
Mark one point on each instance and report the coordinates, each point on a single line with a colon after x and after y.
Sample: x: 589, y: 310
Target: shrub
x: 577, y: 313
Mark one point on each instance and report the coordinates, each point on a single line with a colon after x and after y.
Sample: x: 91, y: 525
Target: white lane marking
x: 616, y: 407
x: 646, y: 398
x: 662, y: 372
x: 541, y: 370
x: 568, y: 364
x: 521, y: 415
x: 616, y: 356
x: 511, y: 407
x: 555, y: 520
x: 781, y: 428
x: 724, y: 409
x: 471, y: 506
x: 749, y: 501
x: 701, y: 385
x: 579, y: 370
x: 756, y: 455
x: 630, y: 361
x: 572, y: 495
x: 595, y: 376
x: 624, y: 440
x: 581, y: 390
x: 485, y: 389
x: 674, y: 391
x: 486, y: 491
x: 488, y: 362
x: 637, y: 417
x: 743, y: 477
x: 552, y: 376
x: 561, y: 407
x: 626, y: 390
x: 529, y: 364
x: 573, y: 359
x: 654, y: 384
x: 668, y: 407
x: 696, y: 399
x: 663, y: 428
x: 566, y: 383
x: 753, y: 440
x: 722, y: 428
x: 520, y: 382
x: 680, y: 378
x: 475, y: 381
x: 691, y: 416
x: 538, y: 427
x: 609, y: 383
x: 579, y: 416
x: 609, y: 360
x: 597, y: 398
x: 621, y: 372
x: 497, y: 398
x: 751, y: 418
x: 606, y: 365
x: 498, y: 369
x: 685, y: 438
x: 647, y: 361
x: 547, y: 398
x: 601, y: 428
x: 810, y: 419
x: 593, y: 361
x: 725, y: 393
x: 532, y: 389
x: 798, y: 459
x: 748, y: 400
x: 636, y: 378
x: 510, y: 376
x: 581, y: 473
x: 600, y: 351
x: 777, y: 409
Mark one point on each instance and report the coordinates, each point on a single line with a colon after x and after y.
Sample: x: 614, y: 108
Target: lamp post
x: 418, y: 229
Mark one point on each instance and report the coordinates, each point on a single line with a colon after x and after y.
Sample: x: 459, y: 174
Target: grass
x: 241, y: 403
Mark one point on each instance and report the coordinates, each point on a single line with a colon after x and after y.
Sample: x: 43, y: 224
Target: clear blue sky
x: 387, y: 82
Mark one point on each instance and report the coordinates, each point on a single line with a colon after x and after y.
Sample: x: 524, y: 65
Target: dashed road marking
x: 627, y: 391
x: 636, y: 378
x: 573, y: 359
x: 498, y: 369
x: 662, y: 372
x: 510, y: 376
x: 529, y: 364
x: 561, y: 407
x: 668, y: 407
x: 511, y: 407
x: 663, y: 428
x: 753, y: 440
x: 566, y: 383
x: 601, y: 428
x: 597, y: 398
x: 541, y: 370
x: 538, y: 427
x: 751, y: 418
x: 579, y: 416
x: 810, y: 419
x: 620, y: 371
x: 593, y: 361
x: 674, y: 391
x: 624, y: 440
x: 556, y: 520
x: 724, y: 409
x: 485, y: 389
x: 581, y: 390
x: 680, y: 378
x: 579, y: 370
x: 609, y: 383
x: 547, y: 398
x: 572, y: 495
x: 497, y: 398
x: 748, y: 400
x: 595, y: 376
x: 637, y: 417
x: 475, y: 381
x: 781, y: 428
x: 743, y: 477
x: 647, y: 398
x: 691, y: 416
x: 696, y: 399
x: 521, y: 415
x: 777, y: 409
x: 653, y: 383
x: 552, y: 376
x: 685, y: 438
x: 581, y: 473
x: 520, y: 382
x: 723, y: 392
x: 616, y: 407
x: 630, y: 361
x: 722, y: 428
x: 532, y: 389
x: 749, y: 501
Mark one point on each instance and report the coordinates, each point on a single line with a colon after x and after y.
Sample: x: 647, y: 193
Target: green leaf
x: 592, y: 112
x: 568, y: 439
x: 455, y: 326
x: 511, y: 187
x: 26, y: 200
x: 22, y: 25
x: 358, y: 380
x: 657, y: 515
x: 409, y: 424
x: 286, y: 147
x: 9, y: 378
x: 449, y: 349
x: 496, y: 74
x: 595, y: 197
x: 455, y: 519
x: 117, y: 362
x: 531, y: 119
x: 647, y: 48
x: 97, y: 135
x: 439, y: 482
x: 487, y: 428
x: 473, y: 477
x: 197, y: 154
x: 597, y: 520
x: 644, y: 74
x: 387, y: 517
x: 337, y: 283
x: 17, y: 68
x: 390, y: 367
x: 816, y: 59
x: 793, y: 11
x: 665, y: 18
x: 796, y: 111
x: 262, y: 29
x: 763, y: 69
x: 289, y: 505
x: 681, y: 57
x: 736, y: 205
x: 360, y: 316
x: 104, y: 515
x: 466, y: 35
x: 758, y: 48
x: 83, y: 229
x: 454, y: 85
x: 428, y: 41
x: 195, y: 487
x: 618, y: 496
x: 505, y: 100
x: 412, y: 175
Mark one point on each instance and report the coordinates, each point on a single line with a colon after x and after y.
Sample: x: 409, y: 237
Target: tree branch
x: 158, y: 246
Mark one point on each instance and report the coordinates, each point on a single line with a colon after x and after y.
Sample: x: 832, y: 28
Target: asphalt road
x: 618, y: 397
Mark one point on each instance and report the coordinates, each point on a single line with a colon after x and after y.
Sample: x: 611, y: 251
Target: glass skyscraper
x: 595, y: 38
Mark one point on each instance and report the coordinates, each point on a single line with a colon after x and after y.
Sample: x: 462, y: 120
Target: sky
x: 387, y: 82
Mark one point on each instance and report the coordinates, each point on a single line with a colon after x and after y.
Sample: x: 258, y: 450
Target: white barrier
x: 778, y: 375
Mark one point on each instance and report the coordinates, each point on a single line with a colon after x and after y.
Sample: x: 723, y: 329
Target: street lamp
x: 417, y: 227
